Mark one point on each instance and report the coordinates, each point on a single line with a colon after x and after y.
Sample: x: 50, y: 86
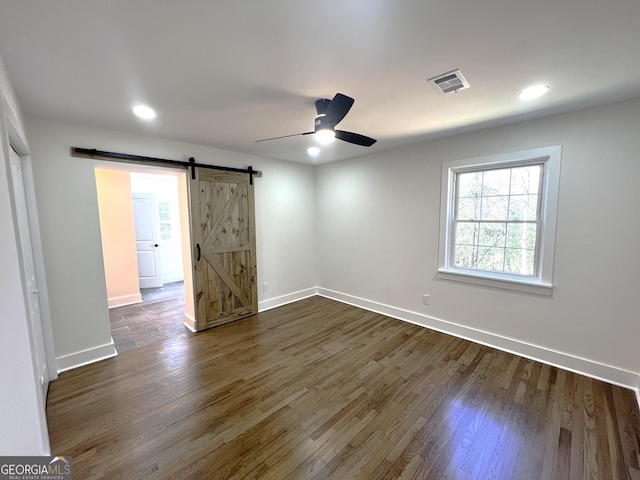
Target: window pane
x: 525, y: 180
x: 465, y: 256
x: 469, y: 209
x: 494, y: 208
x: 469, y: 184
x: 491, y: 259
x: 493, y: 234
x: 165, y: 231
x: 519, y: 261
x: 164, y: 211
x: 523, y: 207
x: 496, y: 182
x: 521, y: 235
x: 467, y: 233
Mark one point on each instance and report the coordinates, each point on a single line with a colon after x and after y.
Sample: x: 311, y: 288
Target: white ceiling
x: 226, y: 73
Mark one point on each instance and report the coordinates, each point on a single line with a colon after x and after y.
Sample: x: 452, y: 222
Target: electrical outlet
x: 264, y: 287
x: 425, y: 299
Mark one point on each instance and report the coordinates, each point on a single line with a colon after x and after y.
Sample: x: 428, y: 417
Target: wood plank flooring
x: 318, y: 389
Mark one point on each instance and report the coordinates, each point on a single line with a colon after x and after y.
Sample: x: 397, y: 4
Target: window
x: 498, y: 220
x: 164, y: 220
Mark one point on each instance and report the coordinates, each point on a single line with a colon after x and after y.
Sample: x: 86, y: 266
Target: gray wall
x: 66, y: 196
x: 378, y: 230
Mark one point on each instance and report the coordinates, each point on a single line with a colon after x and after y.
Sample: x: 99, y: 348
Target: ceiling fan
x: 329, y: 114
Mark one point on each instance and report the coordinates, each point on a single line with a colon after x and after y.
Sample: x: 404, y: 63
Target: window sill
x: 535, y: 287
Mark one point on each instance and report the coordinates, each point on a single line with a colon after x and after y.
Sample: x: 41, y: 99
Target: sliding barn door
x: 224, y: 242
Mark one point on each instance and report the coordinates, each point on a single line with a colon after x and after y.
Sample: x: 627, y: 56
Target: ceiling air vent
x: 449, y: 82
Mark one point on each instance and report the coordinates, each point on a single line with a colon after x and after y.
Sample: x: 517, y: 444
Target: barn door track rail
x: 139, y: 159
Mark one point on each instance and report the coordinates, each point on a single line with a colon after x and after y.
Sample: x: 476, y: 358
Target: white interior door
x: 145, y: 212
x: 165, y: 187
x: 28, y: 263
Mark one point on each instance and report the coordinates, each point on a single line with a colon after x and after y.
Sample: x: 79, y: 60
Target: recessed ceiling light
x: 313, y: 151
x: 533, y: 92
x: 144, y: 112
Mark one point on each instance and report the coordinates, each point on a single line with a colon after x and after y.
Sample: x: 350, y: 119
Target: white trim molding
x: 636, y: 389
x: 124, y: 300
x: 85, y: 357
x: 270, y: 303
x: 566, y: 361
x: 190, y: 322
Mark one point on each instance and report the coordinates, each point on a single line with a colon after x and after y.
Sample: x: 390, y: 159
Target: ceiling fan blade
x: 355, y: 138
x: 284, y: 136
x: 338, y: 108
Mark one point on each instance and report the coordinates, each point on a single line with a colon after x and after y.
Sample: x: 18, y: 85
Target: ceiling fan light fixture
x: 325, y: 136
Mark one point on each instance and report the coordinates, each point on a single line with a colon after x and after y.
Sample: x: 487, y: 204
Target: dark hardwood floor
x: 318, y: 389
x: 160, y: 316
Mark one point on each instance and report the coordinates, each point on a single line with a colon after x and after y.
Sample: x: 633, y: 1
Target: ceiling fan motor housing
x: 322, y: 105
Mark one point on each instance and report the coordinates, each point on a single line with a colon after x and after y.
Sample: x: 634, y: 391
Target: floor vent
x: 449, y: 82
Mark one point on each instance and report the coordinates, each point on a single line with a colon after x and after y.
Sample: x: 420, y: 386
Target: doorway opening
x: 157, y: 317
x: 146, y: 251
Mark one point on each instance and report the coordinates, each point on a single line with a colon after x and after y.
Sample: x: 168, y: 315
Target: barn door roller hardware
x: 139, y: 159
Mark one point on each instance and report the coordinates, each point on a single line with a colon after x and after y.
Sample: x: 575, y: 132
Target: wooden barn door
x: 224, y: 241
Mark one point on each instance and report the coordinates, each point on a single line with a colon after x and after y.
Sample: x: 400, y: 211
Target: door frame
x: 185, y: 224
x: 16, y: 140
x: 12, y: 136
x: 190, y: 166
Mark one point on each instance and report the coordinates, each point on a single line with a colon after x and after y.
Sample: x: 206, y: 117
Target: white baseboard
x: 85, y: 357
x: 636, y: 389
x: 284, y: 299
x: 190, y: 322
x: 583, y: 366
x: 124, y: 300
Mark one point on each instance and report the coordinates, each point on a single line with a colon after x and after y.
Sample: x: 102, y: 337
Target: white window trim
x: 541, y: 284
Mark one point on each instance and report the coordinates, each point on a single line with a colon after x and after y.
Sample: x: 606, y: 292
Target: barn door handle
x: 198, y: 247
